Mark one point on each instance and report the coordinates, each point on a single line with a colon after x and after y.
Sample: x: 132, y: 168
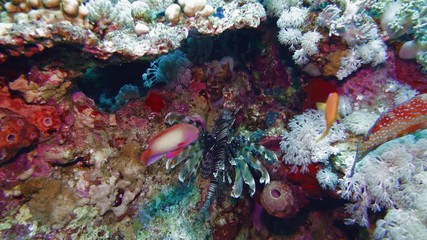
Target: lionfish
x: 216, y: 153
x: 405, y: 118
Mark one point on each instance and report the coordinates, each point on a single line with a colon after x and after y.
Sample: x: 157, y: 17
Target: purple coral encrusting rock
x: 282, y: 199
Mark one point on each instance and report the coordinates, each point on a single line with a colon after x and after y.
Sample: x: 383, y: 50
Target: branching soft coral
x: 327, y: 178
x: 359, y: 122
x: 276, y: 7
x: 345, y: 19
x: 390, y: 177
x: 300, y: 144
x: 400, y: 224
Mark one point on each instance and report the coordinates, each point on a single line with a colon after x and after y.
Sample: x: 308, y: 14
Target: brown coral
x: 52, y: 202
x: 333, y: 63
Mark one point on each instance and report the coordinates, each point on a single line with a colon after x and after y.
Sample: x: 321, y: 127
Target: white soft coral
x: 390, y: 177
x: 327, y: 178
x: 349, y: 64
x: 301, y: 145
x: 276, y: 7
x: 290, y: 36
x: 309, y: 42
x: 400, y: 224
x: 293, y: 17
x: 359, y: 122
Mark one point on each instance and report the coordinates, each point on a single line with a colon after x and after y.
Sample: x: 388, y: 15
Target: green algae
x: 172, y: 214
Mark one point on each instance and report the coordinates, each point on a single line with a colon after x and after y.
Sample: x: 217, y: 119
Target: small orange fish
x: 331, y: 112
x: 405, y: 118
x: 170, y: 142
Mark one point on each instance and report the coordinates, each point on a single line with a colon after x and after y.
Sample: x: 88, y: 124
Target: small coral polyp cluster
x: 86, y: 88
x: 360, y: 41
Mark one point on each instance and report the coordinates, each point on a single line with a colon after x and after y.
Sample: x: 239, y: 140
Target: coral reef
x: 388, y: 178
x: 216, y: 152
x: 167, y: 68
x: 169, y: 215
x: 148, y: 119
x: 408, y: 18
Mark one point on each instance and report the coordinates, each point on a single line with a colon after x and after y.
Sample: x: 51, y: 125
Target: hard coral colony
x: 196, y: 119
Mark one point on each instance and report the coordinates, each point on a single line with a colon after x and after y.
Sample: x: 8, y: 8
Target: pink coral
x: 15, y: 133
x: 87, y: 114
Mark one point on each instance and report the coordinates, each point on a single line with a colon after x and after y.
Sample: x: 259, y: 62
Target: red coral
x: 317, y: 90
x: 307, y: 180
x: 45, y: 118
x: 155, y: 102
x: 15, y: 133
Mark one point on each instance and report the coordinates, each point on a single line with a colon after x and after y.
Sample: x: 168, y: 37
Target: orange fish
x: 405, y: 118
x: 331, y: 112
x: 170, y: 142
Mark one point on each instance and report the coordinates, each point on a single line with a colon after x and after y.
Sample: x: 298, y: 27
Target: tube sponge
x: 282, y: 200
